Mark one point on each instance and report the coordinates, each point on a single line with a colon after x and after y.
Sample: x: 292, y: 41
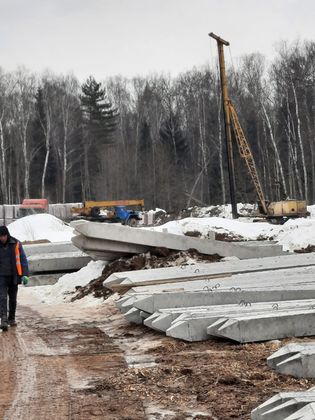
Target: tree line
x: 157, y: 137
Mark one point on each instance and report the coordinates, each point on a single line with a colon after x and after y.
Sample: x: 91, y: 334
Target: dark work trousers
x: 7, y: 288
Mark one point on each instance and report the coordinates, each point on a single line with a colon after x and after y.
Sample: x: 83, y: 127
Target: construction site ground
x: 66, y: 361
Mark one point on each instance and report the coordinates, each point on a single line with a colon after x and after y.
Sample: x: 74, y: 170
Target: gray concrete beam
x: 101, y: 249
x: 283, y: 405
x: 164, y: 318
x: 296, y: 359
x: 305, y: 413
x: 138, y: 236
x: 196, y: 271
x: 262, y: 327
x: 40, y: 263
x: 49, y: 248
x: 155, y: 302
x: 197, y: 326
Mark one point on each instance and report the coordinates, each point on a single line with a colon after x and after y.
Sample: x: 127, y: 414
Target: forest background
x: 158, y: 137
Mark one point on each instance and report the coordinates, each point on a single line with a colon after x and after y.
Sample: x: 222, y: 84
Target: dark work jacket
x: 15, y: 277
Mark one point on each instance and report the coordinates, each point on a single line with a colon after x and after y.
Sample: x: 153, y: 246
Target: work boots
x: 4, y: 324
x: 12, y: 323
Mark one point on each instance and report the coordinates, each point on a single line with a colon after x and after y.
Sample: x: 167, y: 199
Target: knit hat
x: 4, y: 231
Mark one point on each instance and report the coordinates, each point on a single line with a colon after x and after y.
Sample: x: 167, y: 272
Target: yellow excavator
x: 277, y: 211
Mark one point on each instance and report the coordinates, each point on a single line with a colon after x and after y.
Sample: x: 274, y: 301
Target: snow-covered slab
x: 150, y: 238
x: 267, y: 326
x: 57, y: 262
x: 296, y: 359
x: 201, y: 271
x: 284, y: 405
x: 192, y: 326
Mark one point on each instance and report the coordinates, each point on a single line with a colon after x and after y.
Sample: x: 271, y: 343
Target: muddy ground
x: 68, y: 361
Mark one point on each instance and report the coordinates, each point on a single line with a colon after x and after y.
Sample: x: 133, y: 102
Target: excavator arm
x: 247, y: 155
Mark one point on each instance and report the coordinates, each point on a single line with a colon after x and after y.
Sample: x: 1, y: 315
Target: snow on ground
x: 223, y: 210
x: 295, y: 234
x: 239, y: 228
x: 62, y: 290
x: 39, y: 227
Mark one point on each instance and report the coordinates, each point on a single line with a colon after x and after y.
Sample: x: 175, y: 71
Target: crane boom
x: 278, y: 211
x: 247, y: 155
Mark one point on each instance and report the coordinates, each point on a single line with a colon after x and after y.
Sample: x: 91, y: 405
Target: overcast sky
x: 137, y: 37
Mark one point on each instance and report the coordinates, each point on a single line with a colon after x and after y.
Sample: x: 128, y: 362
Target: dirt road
x: 45, y: 364
x: 69, y: 362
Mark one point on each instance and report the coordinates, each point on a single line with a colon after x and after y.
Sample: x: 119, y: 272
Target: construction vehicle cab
x: 33, y: 206
x: 114, y: 211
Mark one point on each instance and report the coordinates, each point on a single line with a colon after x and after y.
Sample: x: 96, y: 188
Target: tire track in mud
x: 45, y: 364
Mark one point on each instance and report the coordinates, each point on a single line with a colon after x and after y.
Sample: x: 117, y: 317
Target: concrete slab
x: 8, y: 211
x: 164, y: 318
x: 296, y: 359
x: 153, y: 302
x: 283, y: 405
x: 139, y: 236
x: 134, y: 316
x: 100, y: 249
x: 174, y: 274
x: 262, y: 327
x: 281, y: 279
x: 66, y: 261
x: 44, y: 279
x: 305, y: 413
x: 194, y: 326
x: 49, y: 248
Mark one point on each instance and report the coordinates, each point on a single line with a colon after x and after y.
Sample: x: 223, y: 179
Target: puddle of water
x: 154, y: 412
x: 140, y: 361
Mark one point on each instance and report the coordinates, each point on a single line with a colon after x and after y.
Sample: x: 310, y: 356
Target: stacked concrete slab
x: 57, y: 262
x: 204, y: 271
x: 55, y: 257
x: 296, y: 359
x: 244, y: 301
x: 10, y: 212
x: 96, y: 238
x: 287, y: 406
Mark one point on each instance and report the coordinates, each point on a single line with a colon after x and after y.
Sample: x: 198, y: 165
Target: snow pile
x: 223, y: 210
x: 65, y: 286
x: 311, y: 210
x: 295, y: 234
x: 242, y: 229
x: 39, y: 227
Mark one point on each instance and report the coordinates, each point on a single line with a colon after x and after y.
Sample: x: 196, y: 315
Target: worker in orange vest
x: 13, y: 271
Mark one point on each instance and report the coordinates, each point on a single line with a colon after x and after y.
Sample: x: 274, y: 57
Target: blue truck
x: 110, y: 211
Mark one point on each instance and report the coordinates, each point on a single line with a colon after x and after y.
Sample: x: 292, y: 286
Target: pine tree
x: 100, y: 123
x: 100, y: 118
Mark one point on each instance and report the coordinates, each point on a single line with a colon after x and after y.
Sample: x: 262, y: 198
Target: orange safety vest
x: 18, y: 260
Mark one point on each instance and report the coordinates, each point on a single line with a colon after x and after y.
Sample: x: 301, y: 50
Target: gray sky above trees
x: 136, y: 37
